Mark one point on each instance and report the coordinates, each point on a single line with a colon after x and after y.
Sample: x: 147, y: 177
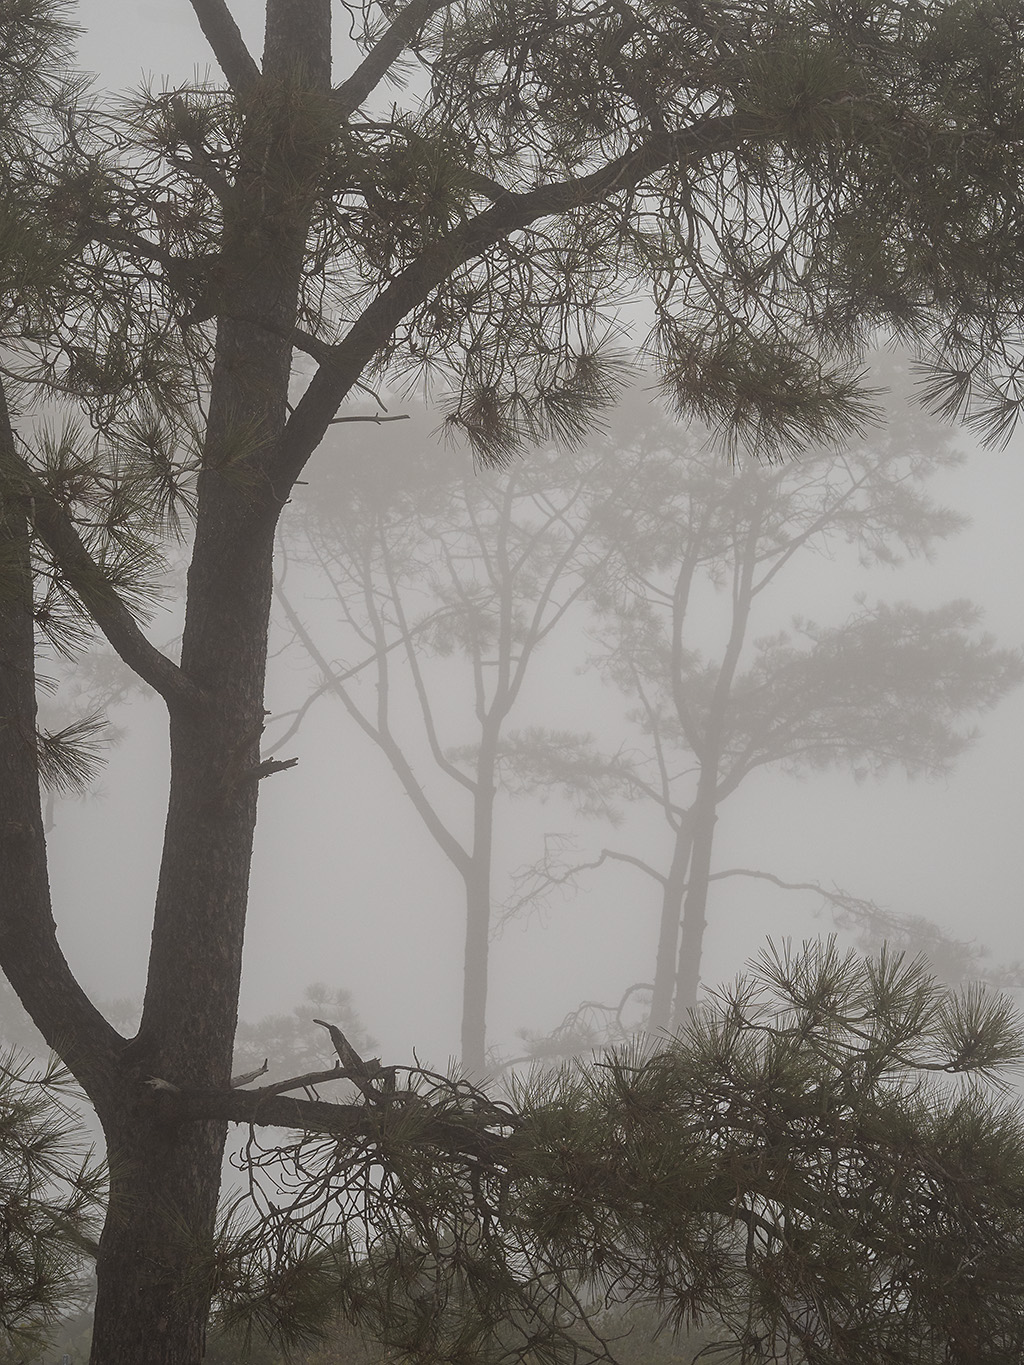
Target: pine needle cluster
x: 824, y: 1165
x: 51, y: 1196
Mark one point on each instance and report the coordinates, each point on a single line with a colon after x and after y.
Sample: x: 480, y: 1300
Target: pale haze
x: 349, y: 889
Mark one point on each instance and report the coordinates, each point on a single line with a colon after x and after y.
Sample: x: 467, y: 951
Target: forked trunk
x: 673, y: 891
x: 156, y: 1251
x: 154, y: 1270
x: 476, y: 962
x: 691, y: 942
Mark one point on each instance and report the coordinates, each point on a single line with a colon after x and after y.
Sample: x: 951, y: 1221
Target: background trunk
x: 704, y: 811
x: 691, y: 942
x: 475, y: 971
x: 478, y: 916
x: 673, y: 891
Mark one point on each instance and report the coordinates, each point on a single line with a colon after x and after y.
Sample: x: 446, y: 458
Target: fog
x: 348, y: 886
x: 350, y: 889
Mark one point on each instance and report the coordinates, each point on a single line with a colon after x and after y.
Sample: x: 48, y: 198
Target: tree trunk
x: 691, y: 942
x: 673, y: 891
x: 155, y: 1255
x: 155, y: 1271
x: 704, y: 811
x: 475, y: 971
x: 478, y: 917
x: 153, y: 1295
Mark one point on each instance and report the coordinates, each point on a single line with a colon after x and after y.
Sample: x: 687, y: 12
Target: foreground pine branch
x: 791, y: 1170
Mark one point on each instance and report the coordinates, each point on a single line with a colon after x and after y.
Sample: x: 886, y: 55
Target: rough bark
x: 153, y: 1270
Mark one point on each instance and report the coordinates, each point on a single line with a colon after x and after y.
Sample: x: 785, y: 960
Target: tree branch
x: 547, y: 875
x: 371, y: 417
x: 469, y: 1134
x: 55, y: 528
x: 227, y: 44
x: 30, y: 954
x: 839, y: 900
x: 333, y: 679
x: 375, y: 65
x: 407, y: 634
x: 348, y: 358
x: 382, y: 737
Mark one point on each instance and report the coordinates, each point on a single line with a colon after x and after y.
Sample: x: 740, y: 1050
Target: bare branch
x: 248, y: 1076
x: 269, y: 766
x: 225, y: 39
x: 540, y: 880
x: 451, y: 847
x: 839, y: 900
x: 336, y: 1073
x: 375, y: 65
x: 372, y: 417
x: 299, y: 715
x: 469, y: 1134
x: 407, y: 634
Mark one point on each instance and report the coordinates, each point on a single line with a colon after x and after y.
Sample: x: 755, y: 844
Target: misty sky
x: 348, y: 889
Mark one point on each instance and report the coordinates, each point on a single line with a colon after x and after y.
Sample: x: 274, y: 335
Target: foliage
x: 51, y: 1198
x: 822, y: 1166
x: 638, y: 1337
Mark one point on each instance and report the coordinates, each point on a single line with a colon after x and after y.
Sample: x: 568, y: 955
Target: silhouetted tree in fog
x: 889, y: 686
x: 480, y: 568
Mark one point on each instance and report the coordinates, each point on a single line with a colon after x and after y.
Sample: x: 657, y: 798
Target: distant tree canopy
x: 207, y: 274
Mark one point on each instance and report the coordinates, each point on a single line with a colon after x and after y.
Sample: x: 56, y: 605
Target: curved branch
x: 840, y: 900
x: 30, y: 955
x: 349, y: 357
x: 547, y: 876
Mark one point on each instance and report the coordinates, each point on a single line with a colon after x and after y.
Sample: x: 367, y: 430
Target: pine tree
x: 781, y: 182
x: 431, y: 559
x: 51, y: 1193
